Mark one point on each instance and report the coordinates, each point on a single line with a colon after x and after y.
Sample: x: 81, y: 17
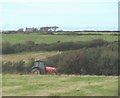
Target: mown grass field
x: 37, y: 38
x: 64, y: 85
x: 25, y: 56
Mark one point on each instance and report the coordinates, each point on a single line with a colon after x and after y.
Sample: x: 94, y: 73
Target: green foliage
x: 93, y: 61
x: 7, y: 48
x: 95, y: 58
x: 17, y: 67
x: 31, y: 46
x: 29, y: 65
x: 73, y: 62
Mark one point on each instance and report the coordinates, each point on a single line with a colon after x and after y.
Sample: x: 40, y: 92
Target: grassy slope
x: 37, y: 38
x: 28, y: 55
x: 63, y: 85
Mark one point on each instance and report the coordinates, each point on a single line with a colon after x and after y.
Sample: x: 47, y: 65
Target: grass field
x: 37, y: 38
x: 30, y: 85
x: 58, y: 85
x: 103, y: 33
x: 28, y: 55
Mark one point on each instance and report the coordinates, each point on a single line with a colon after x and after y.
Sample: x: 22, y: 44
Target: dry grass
x: 25, y: 56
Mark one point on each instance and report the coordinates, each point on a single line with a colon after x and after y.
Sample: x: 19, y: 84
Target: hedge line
x: 8, y: 48
x: 20, y: 67
x: 88, y: 61
x: 100, y: 60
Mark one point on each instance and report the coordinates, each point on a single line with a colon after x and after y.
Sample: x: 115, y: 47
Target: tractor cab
x: 38, y: 67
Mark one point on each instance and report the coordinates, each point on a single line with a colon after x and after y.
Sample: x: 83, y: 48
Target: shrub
x: 92, y: 61
x: 7, y: 48
x: 13, y: 67
x: 62, y: 46
x: 101, y: 59
x: 73, y: 62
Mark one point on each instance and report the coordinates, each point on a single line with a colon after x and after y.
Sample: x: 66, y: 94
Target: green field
x: 85, y: 33
x: 60, y: 85
x: 56, y: 85
x: 28, y: 55
x: 37, y: 38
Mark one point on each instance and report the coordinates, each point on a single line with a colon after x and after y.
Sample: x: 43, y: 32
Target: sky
x: 67, y: 14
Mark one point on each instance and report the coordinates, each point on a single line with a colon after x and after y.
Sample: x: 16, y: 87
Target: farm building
x: 29, y: 29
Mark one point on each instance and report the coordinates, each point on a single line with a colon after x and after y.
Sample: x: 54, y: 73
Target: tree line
x: 46, y: 29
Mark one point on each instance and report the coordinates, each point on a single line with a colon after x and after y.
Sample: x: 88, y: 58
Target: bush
x: 91, y: 61
x: 17, y: 67
x: 72, y: 63
x: 31, y: 46
x: 7, y: 48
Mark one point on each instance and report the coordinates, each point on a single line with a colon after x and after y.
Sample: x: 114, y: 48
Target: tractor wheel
x: 35, y: 71
x: 53, y: 73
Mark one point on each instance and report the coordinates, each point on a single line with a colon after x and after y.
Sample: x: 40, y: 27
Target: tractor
x: 40, y: 67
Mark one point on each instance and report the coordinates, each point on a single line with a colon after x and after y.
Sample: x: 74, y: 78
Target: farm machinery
x: 40, y: 67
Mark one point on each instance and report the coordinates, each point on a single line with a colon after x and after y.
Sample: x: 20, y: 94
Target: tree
x: 45, y: 29
x: 49, y: 29
x: 55, y: 28
x: 20, y: 30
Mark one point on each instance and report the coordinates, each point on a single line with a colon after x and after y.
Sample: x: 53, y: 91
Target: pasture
x: 37, y: 38
x: 25, y: 56
x: 56, y: 85
x: 59, y: 85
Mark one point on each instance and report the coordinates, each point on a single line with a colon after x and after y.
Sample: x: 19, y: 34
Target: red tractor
x: 40, y: 67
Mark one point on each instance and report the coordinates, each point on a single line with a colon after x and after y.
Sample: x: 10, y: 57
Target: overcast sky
x: 67, y: 14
